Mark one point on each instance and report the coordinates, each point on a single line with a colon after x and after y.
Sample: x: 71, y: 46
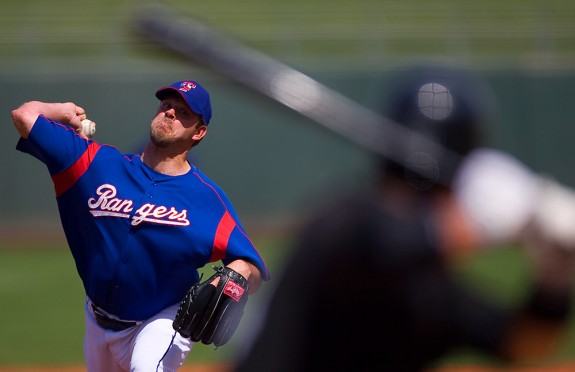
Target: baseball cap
x: 197, y: 98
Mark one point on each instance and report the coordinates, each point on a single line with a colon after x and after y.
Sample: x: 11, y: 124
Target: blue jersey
x: 137, y: 236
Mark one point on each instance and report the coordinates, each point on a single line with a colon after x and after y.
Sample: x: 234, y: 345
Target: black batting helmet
x: 449, y: 105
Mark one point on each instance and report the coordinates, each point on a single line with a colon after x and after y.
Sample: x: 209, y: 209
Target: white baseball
x: 88, y: 127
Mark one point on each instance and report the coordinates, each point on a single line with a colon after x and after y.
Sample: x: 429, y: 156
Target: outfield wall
x: 272, y: 162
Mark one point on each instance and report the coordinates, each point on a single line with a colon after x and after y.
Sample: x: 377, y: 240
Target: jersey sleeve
x: 231, y: 241
x: 53, y: 143
x: 241, y: 245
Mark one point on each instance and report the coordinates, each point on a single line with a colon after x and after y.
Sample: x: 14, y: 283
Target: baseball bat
x: 203, y: 44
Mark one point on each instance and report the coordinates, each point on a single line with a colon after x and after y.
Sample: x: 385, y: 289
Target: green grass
x: 41, y: 317
x: 41, y: 303
x: 41, y: 306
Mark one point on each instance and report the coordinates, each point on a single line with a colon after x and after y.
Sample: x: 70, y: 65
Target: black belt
x: 111, y: 324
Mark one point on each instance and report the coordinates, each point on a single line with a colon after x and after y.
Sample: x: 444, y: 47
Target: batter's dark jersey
x: 366, y: 290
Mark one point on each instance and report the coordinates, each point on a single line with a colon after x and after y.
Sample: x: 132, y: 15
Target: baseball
x: 88, y: 127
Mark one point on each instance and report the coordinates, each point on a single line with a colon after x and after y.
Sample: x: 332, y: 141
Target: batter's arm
x: 66, y: 113
x: 541, y: 325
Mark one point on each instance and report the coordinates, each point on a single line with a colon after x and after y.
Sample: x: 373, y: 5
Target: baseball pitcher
x: 139, y: 227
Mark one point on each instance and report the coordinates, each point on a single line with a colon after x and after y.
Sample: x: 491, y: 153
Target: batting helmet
x: 449, y: 105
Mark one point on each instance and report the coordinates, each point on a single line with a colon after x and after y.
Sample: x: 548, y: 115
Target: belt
x: 109, y: 323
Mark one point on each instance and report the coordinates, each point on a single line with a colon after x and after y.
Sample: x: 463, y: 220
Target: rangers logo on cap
x: 196, y: 97
x: 185, y: 86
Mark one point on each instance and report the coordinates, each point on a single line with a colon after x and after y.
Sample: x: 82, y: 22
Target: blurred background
x: 268, y: 158
x: 272, y: 162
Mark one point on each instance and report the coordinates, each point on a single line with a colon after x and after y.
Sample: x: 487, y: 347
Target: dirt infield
x: 556, y: 368
x: 563, y: 367
x: 194, y: 368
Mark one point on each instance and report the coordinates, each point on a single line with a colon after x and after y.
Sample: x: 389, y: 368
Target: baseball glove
x: 210, y: 313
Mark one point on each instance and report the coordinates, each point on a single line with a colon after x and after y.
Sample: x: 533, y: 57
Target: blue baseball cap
x: 197, y: 98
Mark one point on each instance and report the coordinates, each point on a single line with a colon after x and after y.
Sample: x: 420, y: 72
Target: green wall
x: 272, y: 162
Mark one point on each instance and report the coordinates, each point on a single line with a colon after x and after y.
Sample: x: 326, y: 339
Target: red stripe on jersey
x: 225, y: 228
x: 66, y: 179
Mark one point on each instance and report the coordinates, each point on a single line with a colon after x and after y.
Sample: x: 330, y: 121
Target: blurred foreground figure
x: 369, y: 285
